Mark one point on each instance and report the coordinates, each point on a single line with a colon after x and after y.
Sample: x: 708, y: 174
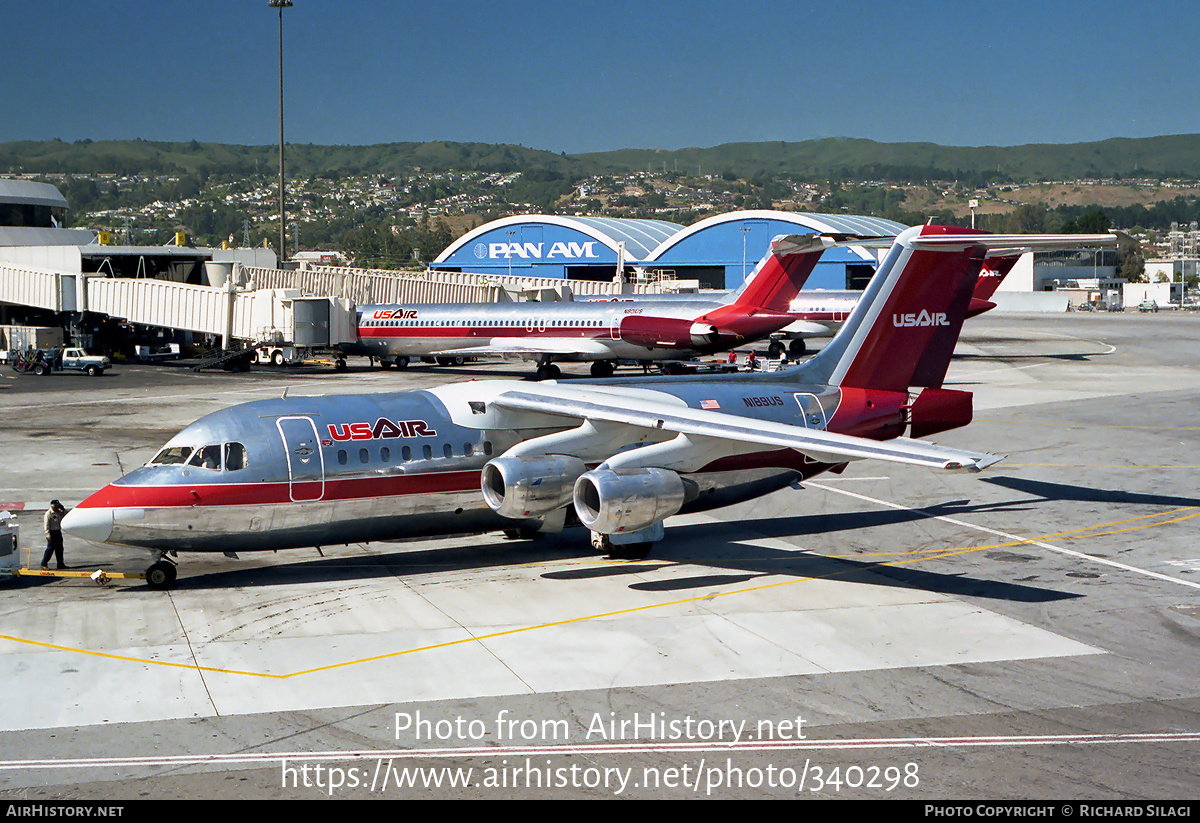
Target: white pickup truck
x: 80, y: 360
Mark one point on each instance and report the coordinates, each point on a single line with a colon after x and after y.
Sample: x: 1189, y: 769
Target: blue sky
x: 593, y: 76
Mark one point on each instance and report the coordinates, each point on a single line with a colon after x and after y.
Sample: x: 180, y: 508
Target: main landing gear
x: 548, y: 371
x: 603, y: 544
x: 602, y: 368
x: 161, y: 573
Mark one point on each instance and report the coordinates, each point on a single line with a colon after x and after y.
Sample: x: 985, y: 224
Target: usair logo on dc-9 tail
x: 902, y: 321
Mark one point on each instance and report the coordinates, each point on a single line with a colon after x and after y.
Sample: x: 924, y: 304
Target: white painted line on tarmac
x: 1059, y: 549
x: 1010, y: 741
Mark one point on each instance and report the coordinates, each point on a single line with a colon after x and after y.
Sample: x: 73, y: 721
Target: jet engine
x: 627, y: 500
x: 666, y: 332
x: 521, y: 487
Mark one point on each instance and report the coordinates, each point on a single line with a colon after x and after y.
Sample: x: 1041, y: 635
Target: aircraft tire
x: 630, y: 551
x: 523, y: 533
x: 624, y: 551
x: 602, y: 368
x: 549, y: 372
x: 797, y: 347
x: 775, y: 349
x: 160, y: 575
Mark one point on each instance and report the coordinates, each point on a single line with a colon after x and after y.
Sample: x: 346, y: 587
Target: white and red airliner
x: 600, y: 332
x: 618, y: 457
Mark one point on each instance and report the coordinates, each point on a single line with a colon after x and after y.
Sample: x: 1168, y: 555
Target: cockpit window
x: 207, y: 457
x: 171, y: 456
x: 235, y: 457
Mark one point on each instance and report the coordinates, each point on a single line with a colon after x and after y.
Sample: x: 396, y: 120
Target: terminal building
x: 35, y: 214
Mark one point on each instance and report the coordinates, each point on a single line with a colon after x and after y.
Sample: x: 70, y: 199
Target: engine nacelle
x: 521, y: 487
x: 612, y: 502
x: 666, y: 332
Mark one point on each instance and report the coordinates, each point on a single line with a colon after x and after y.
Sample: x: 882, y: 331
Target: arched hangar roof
x: 639, y: 236
x: 713, y: 232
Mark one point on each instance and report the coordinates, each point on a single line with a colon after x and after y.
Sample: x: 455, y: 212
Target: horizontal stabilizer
x: 1030, y: 242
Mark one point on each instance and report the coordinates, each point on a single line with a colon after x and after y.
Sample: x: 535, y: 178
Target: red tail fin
x: 780, y: 275
x: 906, y: 324
x: 995, y: 269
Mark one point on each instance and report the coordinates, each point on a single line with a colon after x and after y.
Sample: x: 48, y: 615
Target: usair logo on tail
x: 902, y: 321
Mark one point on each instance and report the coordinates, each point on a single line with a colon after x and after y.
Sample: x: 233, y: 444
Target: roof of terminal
x: 30, y: 192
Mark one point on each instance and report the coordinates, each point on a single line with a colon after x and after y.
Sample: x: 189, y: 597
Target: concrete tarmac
x: 1030, y: 632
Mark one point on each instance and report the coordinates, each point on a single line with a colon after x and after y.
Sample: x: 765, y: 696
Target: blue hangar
x: 718, y: 251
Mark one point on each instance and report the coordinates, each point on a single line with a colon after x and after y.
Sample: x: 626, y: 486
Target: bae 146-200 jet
x: 617, y: 457
x: 600, y: 332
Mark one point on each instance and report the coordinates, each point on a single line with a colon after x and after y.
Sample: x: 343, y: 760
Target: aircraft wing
x: 823, y: 446
x: 532, y: 348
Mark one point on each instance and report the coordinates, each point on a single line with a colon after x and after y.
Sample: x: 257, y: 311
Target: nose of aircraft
x: 95, y: 524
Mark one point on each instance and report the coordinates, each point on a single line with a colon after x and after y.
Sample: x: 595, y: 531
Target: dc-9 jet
x: 602, y: 332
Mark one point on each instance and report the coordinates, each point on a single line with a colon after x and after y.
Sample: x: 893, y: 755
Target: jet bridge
x: 274, y: 316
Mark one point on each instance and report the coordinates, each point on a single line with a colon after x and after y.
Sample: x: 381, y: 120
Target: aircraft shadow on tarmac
x: 1066, y: 491
x: 1005, y: 358
x: 717, y: 547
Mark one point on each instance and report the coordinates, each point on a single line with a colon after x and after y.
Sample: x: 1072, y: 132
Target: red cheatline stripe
x: 247, y: 494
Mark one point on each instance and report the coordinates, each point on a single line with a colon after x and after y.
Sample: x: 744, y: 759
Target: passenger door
x: 306, y: 464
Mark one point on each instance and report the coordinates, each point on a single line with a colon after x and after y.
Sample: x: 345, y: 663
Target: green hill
x: 841, y: 159
x: 145, y: 157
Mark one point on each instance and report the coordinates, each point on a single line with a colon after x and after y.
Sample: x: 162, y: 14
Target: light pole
x: 281, y: 5
x: 745, y: 231
x: 510, y: 234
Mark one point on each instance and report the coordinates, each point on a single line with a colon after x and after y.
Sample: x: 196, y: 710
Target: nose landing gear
x: 161, y: 573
